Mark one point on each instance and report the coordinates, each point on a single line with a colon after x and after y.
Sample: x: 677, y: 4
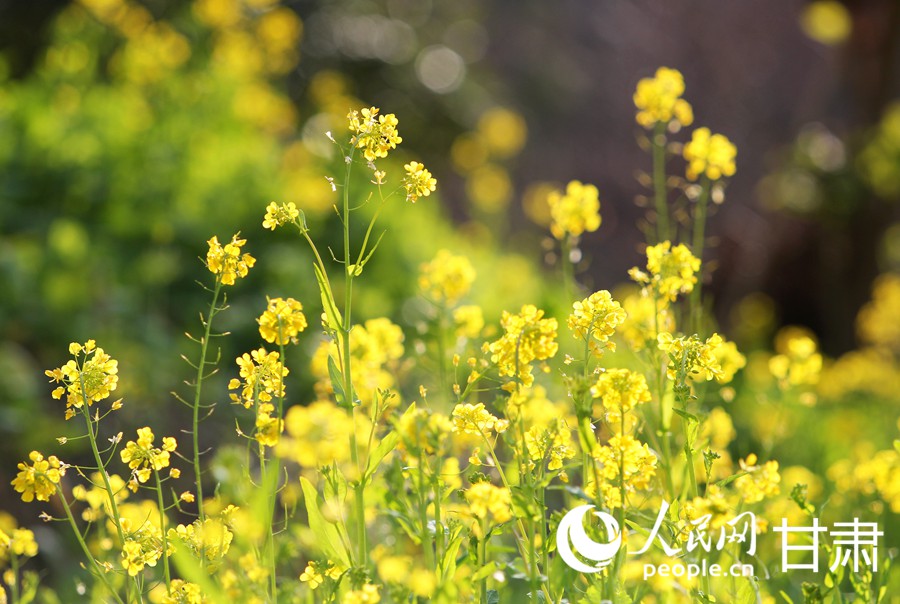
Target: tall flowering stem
x: 198, y: 387
x: 84, y: 548
x: 660, y: 190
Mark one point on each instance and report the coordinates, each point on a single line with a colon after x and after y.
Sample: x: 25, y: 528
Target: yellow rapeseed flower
x: 672, y: 270
x: 143, y: 458
x: 476, y: 420
x: 488, y: 502
x: 446, y: 278
x: 90, y: 378
x: 469, y: 321
x: 658, y: 99
x: 624, y: 461
x: 226, y: 262
x: 20, y: 542
x: 268, y: 428
x: 757, y: 482
x: 595, y: 319
x: 262, y: 376
x: 694, y: 357
x: 38, y: 480
x: 798, y: 362
x: 574, y: 212
x: 183, y: 592
x: 212, y: 537
x: 551, y: 444
x: 282, y: 320
x: 418, y: 182
x: 369, y: 594
x: 280, y: 214
x: 709, y: 154
x: 620, y: 390
x: 527, y: 337
x: 375, y: 134
x: 878, y: 322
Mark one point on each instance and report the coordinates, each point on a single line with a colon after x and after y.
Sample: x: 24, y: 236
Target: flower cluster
x: 143, y: 458
x: 226, y: 262
x: 658, y: 99
x: 375, y: 134
x: 20, y: 542
x: 620, y: 390
x: 85, y: 380
x: 476, y: 420
x: 418, y: 182
x: 369, y: 594
x: 527, y: 337
x: 595, y: 319
x: 262, y: 376
x: 183, y: 592
x: 487, y: 502
x: 690, y: 357
x: 315, y: 573
x: 757, y: 482
x: 574, y: 212
x: 798, y: 362
x: 551, y: 443
x: 709, y: 154
x: 446, y: 278
x: 211, y: 536
x: 624, y: 462
x: 280, y: 214
x: 672, y: 270
x: 282, y: 320
x: 38, y: 480
x: 268, y: 428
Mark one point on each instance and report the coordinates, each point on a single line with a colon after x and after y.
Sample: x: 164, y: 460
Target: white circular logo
x: 571, y: 530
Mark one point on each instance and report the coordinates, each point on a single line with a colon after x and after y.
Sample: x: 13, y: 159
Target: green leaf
x: 326, y: 533
x: 332, y: 314
x: 786, y: 597
x: 485, y: 571
x: 686, y: 415
x: 189, y: 568
x: 747, y: 592
x: 493, y: 596
x: 337, y: 381
x: 387, y: 444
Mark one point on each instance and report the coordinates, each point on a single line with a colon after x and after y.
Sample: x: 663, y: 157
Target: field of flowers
x: 488, y: 433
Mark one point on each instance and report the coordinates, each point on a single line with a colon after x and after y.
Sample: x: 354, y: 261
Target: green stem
x: 567, y: 268
x: 165, y: 539
x: 660, y: 191
x: 697, y: 245
x: 102, y: 469
x: 523, y: 548
x: 195, y: 420
x: 427, y: 538
x: 14, y: 567
x: 482, y: 559
x: 87, y: 552
x: 362, y: 555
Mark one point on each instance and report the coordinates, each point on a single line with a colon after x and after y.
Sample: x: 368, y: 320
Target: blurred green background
x: 132, y: 131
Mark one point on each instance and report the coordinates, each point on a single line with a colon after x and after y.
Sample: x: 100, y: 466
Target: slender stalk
x: 359, y: 499
x: 482, y: 559
x: 195, y: 420
x: 101, y: 468
x: 87, y: 552
x: 14, y: 567
x: 165, y: 539
x: 697, y: 245
x: 427, y: 539
x: 658, y: 143
x: 567, y: 268
x: 519, y: 524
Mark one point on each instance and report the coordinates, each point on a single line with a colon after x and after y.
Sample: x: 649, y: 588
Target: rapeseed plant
x: 453, y: 495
